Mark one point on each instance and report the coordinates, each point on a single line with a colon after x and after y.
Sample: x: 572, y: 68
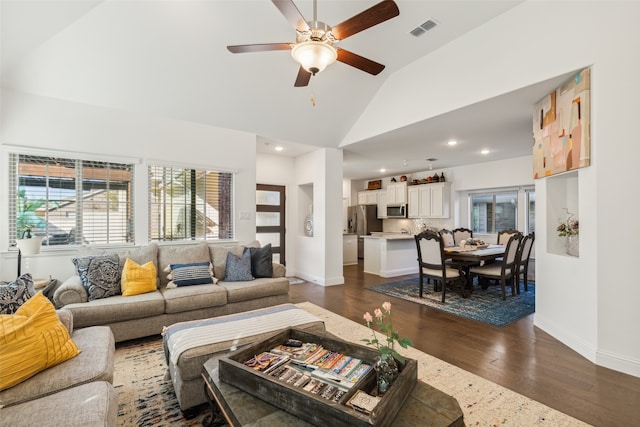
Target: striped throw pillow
x: 195, y: 273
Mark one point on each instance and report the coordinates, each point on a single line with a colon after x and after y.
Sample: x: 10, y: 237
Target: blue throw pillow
x: 238, y: 269
x: 194, y: 273
x: 16, y: 293
x: 99, y: 274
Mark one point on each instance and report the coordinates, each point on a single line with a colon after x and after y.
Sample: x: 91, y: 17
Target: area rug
x: 484, y: 306
x: 146, y: 398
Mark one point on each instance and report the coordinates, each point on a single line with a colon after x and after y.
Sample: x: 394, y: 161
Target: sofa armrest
x: 66, y: 318
x: 279, y: 270
x: 71, y: 291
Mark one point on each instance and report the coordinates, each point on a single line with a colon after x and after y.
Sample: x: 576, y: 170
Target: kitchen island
x: 390, y: 254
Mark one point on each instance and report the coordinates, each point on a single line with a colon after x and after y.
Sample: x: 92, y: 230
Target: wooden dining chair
x: 524, y: 255
x: 460, y: 234
x: 505, y: 235
x: 431, y: 263
x: 505, y: 271
x: 447, y: 238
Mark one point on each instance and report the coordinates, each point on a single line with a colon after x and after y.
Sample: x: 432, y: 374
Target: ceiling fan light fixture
x: 314, y: 56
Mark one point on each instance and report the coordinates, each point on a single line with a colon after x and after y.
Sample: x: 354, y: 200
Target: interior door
x: 270, y: 219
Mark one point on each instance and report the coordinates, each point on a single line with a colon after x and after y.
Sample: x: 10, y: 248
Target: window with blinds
x: 190, y: 204
x: 492, y: 212
x: 70, y: 201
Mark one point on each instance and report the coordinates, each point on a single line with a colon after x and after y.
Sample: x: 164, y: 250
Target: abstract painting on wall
x: 561, y: 131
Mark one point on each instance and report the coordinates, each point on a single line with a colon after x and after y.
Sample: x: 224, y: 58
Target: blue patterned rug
x: 484, y: 306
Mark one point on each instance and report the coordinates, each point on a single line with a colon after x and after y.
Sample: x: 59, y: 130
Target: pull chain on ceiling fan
x: 314, y: 48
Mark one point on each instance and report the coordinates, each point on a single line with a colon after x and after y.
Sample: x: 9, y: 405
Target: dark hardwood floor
x: 519, y: 356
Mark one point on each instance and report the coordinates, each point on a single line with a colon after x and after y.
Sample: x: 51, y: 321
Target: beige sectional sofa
x: 77, y: 392
x: 147, y: 314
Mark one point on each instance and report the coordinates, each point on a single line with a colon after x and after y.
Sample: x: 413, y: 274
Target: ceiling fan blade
x: 303, y: 78
x: 292, y: 14
x: 373, y: 16
x: 359, y: 62
x: 265, y: 47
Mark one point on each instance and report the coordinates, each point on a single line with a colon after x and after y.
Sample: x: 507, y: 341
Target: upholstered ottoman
x: 188, y: 345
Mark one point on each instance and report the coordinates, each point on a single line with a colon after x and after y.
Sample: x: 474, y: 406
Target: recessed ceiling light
x: 452, y: 142
x: 382, y: 170
x: 279, y: 148
x: 485, y: 152
x: 405, y: 163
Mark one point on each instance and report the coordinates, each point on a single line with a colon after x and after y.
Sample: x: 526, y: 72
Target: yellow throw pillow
x: 138, y: 279
x: 32, y: 340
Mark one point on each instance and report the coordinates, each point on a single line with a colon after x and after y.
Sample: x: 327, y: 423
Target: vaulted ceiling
x: 169, y: 59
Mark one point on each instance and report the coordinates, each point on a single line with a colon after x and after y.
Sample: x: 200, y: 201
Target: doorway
x: 270, y: 219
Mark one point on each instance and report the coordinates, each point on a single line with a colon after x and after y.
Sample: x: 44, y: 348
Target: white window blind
x: 190, y: 204
x: 71, y: 201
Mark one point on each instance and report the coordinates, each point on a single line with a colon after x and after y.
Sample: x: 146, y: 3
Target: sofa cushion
x: 138, y: 279
x: 16, y: 293
x: 32, y: 340
x: 238, y: 269
x: 258, y: 288
x: 181, y: 254
x: 94, y: 363
x: 100, y: 274
x: 262, y: 261
x: 194, y: 273
x: 186, y: 298
x: 116, y: 309
x: 92, y: 404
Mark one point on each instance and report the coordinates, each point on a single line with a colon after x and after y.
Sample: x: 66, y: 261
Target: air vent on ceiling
x: 423, y: 28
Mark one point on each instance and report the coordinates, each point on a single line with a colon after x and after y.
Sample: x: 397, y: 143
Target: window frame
x: 11, y: 158
x: 493, y: 193
x: 195, y: 236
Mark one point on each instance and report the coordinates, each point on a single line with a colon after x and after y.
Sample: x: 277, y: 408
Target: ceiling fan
x: 314, y: 47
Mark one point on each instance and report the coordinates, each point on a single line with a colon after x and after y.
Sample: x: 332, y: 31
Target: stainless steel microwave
x: 397, y: 211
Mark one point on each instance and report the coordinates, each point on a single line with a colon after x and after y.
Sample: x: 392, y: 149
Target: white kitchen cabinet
x: 397, y: 193
x: 429, y: 200
x: 382, y: 204
x: 369, y: 197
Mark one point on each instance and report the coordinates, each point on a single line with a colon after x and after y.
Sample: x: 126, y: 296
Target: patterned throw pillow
x: 100, y: 275
x: 16, y: 293
x: 238, y: 269
x: 262, y: 261
x: 194, y: 273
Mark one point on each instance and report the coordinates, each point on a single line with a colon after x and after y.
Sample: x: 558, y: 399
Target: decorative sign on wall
x: 561, y: 132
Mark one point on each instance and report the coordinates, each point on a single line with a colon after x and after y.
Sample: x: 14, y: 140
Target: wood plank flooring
x: 519, y: 356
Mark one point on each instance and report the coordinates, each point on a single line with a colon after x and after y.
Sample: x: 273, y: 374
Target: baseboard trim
x: 618, y: 362
x: 332, y: 281
x: 577, y: 344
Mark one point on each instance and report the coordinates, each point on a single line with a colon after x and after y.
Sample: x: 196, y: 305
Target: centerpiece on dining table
x: 473, y: 243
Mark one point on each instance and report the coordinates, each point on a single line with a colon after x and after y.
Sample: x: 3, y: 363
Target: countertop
x: 390, y: 236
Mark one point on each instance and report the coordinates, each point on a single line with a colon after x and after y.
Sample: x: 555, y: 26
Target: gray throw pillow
x: 16, y: 293
x: 262, y: 261
x: 100, y: 275
x: 238, y: 269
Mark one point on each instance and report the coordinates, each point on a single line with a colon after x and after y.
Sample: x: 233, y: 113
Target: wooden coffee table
x: 425, y: 406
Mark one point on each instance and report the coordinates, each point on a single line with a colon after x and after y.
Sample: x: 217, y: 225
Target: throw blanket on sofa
x: 183, y: 336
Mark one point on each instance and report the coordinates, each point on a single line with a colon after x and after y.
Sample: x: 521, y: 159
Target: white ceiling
x: 169, y: 59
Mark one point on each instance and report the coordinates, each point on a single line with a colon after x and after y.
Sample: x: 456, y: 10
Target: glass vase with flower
x: 386, y: 365
x: 570, y: 228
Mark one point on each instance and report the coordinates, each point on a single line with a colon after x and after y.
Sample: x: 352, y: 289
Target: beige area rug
x: 146, y: 396
x: 483, y: 403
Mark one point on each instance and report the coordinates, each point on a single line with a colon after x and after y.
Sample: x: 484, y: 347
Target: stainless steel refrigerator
x: 363, y: 219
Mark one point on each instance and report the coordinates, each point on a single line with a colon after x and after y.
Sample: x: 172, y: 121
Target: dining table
x: 469, y: 256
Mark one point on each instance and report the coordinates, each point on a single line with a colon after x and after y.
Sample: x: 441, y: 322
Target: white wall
x: 319, y: 258
x: 60, y: 126
x: 589, y: 302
